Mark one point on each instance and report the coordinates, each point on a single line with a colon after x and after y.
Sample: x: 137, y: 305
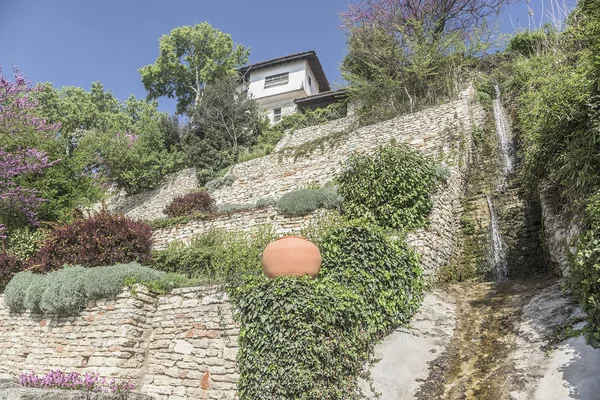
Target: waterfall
x: 497, y: 251
x: 504, y: 137
x: 498, y: 256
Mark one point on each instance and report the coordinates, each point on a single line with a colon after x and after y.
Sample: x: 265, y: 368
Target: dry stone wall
x: 443, y: 132
x: 173, y: 347
x: 304, y: 135
x: 240, y: 221
x: 435, y: 131
x: 559, y: 230
x: 150, y: 205
x: 436, y: 244
x: 314, y: 155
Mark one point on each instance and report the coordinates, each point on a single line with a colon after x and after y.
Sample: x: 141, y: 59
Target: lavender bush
x: 91, y: 382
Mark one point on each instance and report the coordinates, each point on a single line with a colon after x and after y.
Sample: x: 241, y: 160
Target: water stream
x: 504, y: 139
x: 498, y: 252
x: 497, y: 249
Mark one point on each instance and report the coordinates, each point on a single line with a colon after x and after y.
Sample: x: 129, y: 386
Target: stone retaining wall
x: 314, y: 155
x: 434, y: 131
x: 436, y: 244
x: 304, y: 135
x: 150, y: 205
x: 175, y: 347
x: 559, y: 230
x: 239, y: 221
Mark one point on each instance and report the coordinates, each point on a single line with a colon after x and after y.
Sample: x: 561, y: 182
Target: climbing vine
x: 310, y: 339
x: 391, y: 188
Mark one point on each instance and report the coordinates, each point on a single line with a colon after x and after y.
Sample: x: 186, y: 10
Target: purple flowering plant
x: 18, y: 118
x: 91, y: 382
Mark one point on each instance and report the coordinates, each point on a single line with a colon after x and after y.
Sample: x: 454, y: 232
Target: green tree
x: 403, y: 54
x: 78, y: 111
x: 136, y: 158
x: 223, y: 124
x: 190, y: 57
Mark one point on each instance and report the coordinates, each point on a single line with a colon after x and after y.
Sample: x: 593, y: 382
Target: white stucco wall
x: 284, y: 101
x: 297, y: 80
x: 314, y: 88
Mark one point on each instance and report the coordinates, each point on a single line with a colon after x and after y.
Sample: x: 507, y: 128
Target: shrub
x: 304, y: 201
x: 135, y: 160
x: 309, y: 339
x: 67, y: 291
x: 101, y: 239
x: 34, y: 292
x: 328, y: 197
x: 17, y: 288
x: 299, y: 202
x: 161, y: 223
x: 216, y: 255
x: 24, y: 242
x: 233, y: 207
x: 266, y: 202
x: 190, y: 204
x: 9, y: 266
x: 219, y: 183
x: 391, y: 188
x: 64, y: 292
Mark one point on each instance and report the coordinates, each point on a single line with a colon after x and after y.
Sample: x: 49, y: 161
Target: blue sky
x: 77, y: 42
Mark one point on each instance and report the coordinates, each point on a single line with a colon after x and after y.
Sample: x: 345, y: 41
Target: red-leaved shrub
x: 101, y: 239
x: 9, y: 266
x: 190, y: 204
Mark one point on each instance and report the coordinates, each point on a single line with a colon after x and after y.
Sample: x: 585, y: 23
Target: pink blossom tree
x: 18, y: 122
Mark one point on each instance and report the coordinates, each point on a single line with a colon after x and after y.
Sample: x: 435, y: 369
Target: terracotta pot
x: 291, y: 255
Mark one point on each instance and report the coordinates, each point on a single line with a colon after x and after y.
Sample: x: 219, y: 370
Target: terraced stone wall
x: 173, y: 347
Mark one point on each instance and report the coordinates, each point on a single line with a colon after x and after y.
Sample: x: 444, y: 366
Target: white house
x: 282, y: 85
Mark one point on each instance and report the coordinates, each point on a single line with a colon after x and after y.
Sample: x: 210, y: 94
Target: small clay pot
x: 291, y: 255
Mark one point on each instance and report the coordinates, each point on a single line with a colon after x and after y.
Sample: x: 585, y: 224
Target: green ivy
x: 391, y: 187
x: 310, y: 339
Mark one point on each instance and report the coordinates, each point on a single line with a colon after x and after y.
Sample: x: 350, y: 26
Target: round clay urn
x: 291, y: 255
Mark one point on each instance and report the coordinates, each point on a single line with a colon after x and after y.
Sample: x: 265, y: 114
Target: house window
x: 309, y: 81
x: 276, y: 114
x: 279, y: 79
